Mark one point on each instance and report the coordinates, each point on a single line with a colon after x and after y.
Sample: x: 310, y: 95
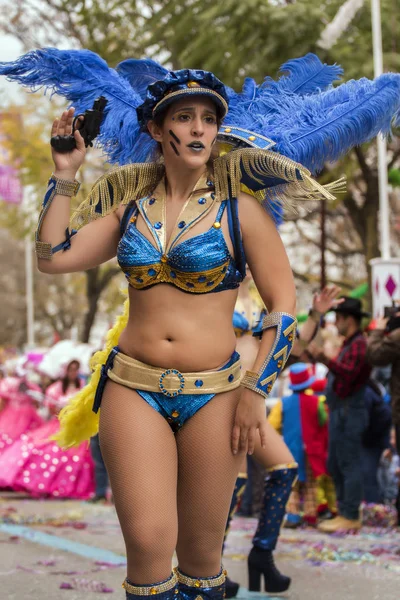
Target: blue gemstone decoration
x: 139, y: 280
x: 190, y: 285
x: 213, y: 196
x: 152, y: 200
x: 151, y: 272
x: 181, y: 225
x: 158, y: 225
x: 172, y: 274
x: 210, y: 183
x: 231, y: 378
x: 202, y: 200
x: 202, y: 279
x: 198, y: 383
x: 210, y: 283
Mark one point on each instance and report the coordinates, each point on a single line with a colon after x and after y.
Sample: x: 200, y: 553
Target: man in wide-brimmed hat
x: 348, y: 375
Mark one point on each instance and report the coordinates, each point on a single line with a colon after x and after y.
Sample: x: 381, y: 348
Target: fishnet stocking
x: 139, y: 450
x: 207, y: 474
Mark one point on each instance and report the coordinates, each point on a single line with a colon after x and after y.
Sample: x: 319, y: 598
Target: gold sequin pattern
x: 151, y: 590
x: 201, y: 583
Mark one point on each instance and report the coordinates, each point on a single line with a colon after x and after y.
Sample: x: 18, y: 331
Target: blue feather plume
x: 81, y: 76
x: 305, y: 75
x: 141, y: 73
x: 323, y: 127
x: 316, y: 128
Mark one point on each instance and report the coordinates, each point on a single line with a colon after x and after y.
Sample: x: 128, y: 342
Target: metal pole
x: 29, y: 292
x: 381, y: 142
x: 323, y: 244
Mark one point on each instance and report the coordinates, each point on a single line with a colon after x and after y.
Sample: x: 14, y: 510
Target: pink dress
x: 37, y: 465
x: 18, y: 415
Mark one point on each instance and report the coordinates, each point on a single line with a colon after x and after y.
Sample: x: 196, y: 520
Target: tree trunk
x: 371, y: 241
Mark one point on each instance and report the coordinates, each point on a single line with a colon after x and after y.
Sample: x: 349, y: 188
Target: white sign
x: 385, y: 282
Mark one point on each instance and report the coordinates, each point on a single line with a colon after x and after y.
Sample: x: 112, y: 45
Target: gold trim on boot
x: 200, y: 582
x: 151, y: 590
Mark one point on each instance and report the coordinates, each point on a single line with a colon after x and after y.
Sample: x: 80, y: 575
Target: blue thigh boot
x: 278, y: 486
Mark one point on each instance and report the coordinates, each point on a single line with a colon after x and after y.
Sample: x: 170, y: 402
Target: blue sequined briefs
x: 176, y: 409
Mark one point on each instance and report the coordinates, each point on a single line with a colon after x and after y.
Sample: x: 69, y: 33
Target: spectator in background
x: 375, y: 440
x: 384, y: 349
x: 389, y: 471
x: 348, y: 420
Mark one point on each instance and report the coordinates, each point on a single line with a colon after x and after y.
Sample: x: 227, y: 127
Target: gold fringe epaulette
x: 259, y: 165
x: 117, y: 187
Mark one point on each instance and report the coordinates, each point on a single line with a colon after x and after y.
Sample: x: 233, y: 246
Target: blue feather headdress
x: 279, y: 131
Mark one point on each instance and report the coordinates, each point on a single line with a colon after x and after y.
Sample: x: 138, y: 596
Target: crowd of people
x: 338, y: 414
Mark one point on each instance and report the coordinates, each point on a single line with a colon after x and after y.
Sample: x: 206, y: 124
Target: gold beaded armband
x: 262, y: 382
x: 55, y: 186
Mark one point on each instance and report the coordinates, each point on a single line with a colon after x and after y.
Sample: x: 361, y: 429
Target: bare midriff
x: 169, y: 328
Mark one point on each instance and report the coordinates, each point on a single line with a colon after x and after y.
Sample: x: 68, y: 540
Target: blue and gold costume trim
x: 65, y: 188
x: 201, y: 588
x: 163, y: 590
x: 176, y: 396
x: 263, y: 381
x: 199, y: 264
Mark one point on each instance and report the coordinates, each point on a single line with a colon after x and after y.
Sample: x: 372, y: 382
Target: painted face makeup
x: 172, y: 134
x: 174, y: 148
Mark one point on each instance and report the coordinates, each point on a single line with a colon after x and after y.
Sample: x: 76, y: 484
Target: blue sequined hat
x: 176, y: 84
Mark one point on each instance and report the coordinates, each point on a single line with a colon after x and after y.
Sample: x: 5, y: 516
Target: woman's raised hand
x: 67, y: 163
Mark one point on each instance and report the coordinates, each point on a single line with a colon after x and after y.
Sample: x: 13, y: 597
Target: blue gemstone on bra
x: 152, y: 200
x: 191, y: 285
x: 181, y: 225
x: 210, y: 183
x: 202, y: 279
x: 202, y: 200
x: 210, y: 283
x: 139, y: 280
x: 158, y: 225
x: 198, y: 383
x: 151, y: 272
x: 231, y: 378
x: 172, y: 274
x: 213, y: 196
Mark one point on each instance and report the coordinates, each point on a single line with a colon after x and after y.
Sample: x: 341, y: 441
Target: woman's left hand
x: 250, y: 416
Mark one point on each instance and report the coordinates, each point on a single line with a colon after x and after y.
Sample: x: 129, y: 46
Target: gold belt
x: 137, y: 375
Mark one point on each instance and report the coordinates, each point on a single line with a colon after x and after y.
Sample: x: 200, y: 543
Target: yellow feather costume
x: 77, y: 420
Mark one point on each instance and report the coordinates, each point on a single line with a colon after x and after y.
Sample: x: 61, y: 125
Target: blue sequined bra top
x: 198, y: 265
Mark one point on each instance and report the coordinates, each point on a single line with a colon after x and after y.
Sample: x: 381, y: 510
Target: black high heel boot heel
x: 260, y: 562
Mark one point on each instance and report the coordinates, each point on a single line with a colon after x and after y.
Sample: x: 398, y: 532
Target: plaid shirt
x: 350, y: 368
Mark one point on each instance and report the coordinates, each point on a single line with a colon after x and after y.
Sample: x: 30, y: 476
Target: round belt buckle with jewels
x: 180, y: 383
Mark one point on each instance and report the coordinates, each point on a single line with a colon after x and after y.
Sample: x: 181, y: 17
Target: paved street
x: 74, y: 551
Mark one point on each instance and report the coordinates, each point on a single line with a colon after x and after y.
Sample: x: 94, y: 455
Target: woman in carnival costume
x: 173, y: 417
x: 18, y: 407
x: 37, y: 465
